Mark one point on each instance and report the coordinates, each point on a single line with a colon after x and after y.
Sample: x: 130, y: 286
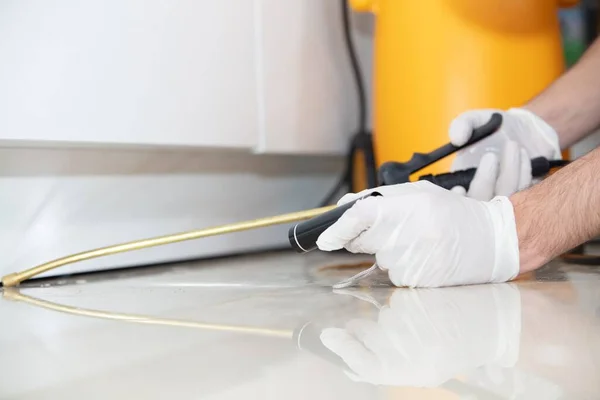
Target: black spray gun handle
x: 540, y: 166
x: 303, y: 236
x: 392, y: 173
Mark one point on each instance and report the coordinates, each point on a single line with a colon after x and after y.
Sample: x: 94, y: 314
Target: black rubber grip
x: 539, y: 167
x: 452, y: 179
x: 303, y: 236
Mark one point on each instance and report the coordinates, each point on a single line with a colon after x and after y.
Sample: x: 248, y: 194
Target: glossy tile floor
x: 270, y: 327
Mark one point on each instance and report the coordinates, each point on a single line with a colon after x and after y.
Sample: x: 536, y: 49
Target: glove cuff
x: 546, y: 132
x: 506, y: 257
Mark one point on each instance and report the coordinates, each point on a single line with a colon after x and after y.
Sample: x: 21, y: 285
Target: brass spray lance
x: 15, y: 278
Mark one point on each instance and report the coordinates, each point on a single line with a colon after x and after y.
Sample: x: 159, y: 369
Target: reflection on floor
x: 271, y: 327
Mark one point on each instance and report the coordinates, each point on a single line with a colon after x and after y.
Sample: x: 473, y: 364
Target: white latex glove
x: 503, y: 159
x: 428, y: 236
x: 426, y: 337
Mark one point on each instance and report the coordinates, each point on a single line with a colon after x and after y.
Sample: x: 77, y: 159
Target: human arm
x: 558, y: 214
x: 571, y: 105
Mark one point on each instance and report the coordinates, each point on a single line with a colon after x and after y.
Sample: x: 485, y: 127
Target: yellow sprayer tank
x: 437, y: 58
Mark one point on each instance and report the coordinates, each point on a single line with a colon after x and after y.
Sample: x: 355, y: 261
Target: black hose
x: 356, y: 70
x: 362, y: 140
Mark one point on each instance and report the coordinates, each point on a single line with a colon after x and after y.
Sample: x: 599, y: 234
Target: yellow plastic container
x: 437, y: 58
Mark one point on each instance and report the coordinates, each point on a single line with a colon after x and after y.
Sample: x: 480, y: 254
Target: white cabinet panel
x: 309, y: 98
x: 129, y: 71
x: 55, y: 202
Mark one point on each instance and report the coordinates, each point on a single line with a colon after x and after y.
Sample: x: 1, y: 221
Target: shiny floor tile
x: 271, y: 327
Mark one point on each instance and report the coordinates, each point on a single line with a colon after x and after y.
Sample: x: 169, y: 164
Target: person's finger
x: 390, y: 190
x: 484, y: 182
x: 399, y: 189
x: 347, y: 198
x: 461, y: 128
x: 350, y: 225
x: 424, y: 185
x: 510, y: 167
x: 365, y: 243
x: 459, y: 190
x: 525, y: 176
x: 370, y: 241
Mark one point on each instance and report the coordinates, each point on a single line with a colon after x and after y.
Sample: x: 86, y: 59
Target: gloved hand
x: 428, y: 236
x: 503, y: 160
x: 426, y: 337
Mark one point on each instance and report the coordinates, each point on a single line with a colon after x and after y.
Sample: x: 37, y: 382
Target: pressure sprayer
x: 440, y: 30
x: 303, y: 236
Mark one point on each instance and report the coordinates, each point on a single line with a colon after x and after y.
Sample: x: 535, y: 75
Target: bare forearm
x: 560, y: 213
x: 571, y: 105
